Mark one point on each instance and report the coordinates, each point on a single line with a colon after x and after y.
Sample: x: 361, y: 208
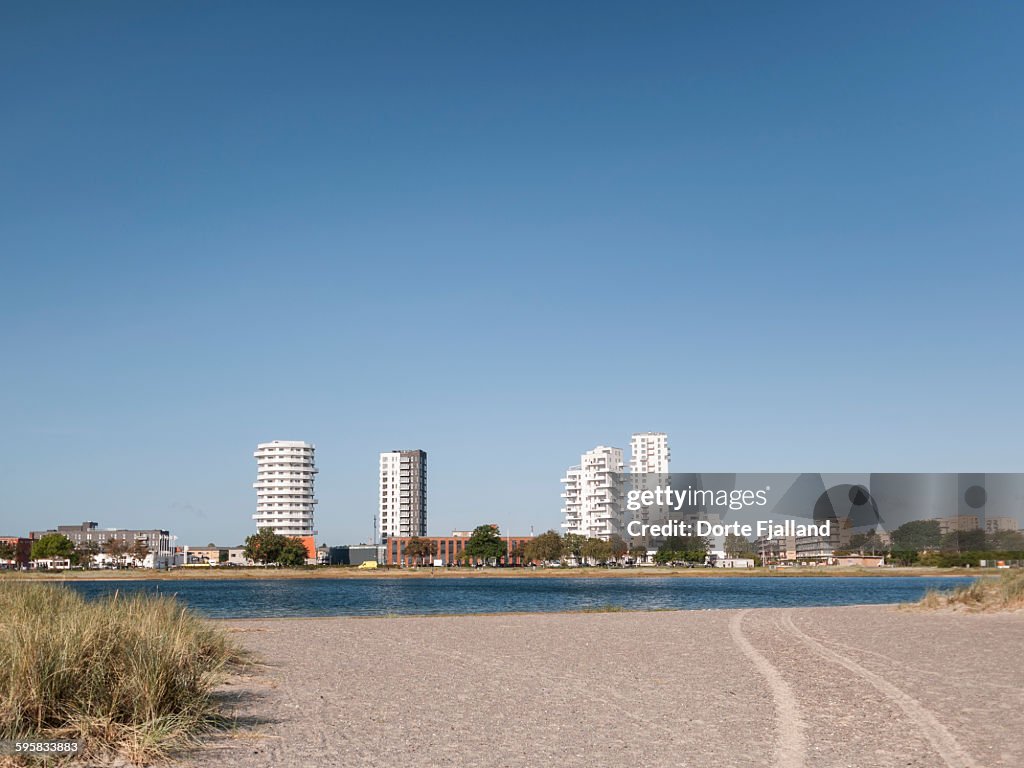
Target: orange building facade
x: 310, y: 544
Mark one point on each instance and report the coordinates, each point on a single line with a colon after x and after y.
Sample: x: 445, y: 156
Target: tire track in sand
x: 791, y: 744
x: 942, y: 741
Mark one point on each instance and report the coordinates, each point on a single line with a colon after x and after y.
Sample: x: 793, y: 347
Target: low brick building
x: 448, y: 549
x: 22, y: 550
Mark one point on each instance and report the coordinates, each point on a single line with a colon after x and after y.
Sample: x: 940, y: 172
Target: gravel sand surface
x: 858, y: 686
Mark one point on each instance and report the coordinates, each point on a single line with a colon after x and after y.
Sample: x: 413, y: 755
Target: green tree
x: 866, y: 543
x: 597, y: 550
x: 963, y: 541
x: 664, y: 556
x: 697, y: 548
x: 917, y: 535
x: 7, y: 551
x: 690, y: 549
x: 52, y: 546
x: 268, y: 547
x: 904, y: 556
x: 548, y: 547
x: 638, y: 553
x: 293, y: 553
x: 485, y: 544
x: 518, y: 554
x: 618, y: 546
x: 430, y: 550
x: 1006, y: 541
x: 410, y: 549
x: 572, y: 545
x: 738, y: 546
x: 420, y: 549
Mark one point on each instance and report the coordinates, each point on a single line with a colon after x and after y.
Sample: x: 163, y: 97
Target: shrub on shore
x: 1002, y: 593
x: 131, y: 676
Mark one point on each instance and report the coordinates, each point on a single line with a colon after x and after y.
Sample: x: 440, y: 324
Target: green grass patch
x: 129, y: 676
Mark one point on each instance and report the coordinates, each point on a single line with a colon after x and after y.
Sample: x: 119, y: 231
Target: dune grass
x: 128, y: 676
x: 1002, y: 593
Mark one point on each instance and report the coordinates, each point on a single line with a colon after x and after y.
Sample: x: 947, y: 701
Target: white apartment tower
x: 594, y: 494
x: 403, y: 494
x: 648, y: 464
x: 649, y: 454
x: 284, y: 487
x: 648, y: 469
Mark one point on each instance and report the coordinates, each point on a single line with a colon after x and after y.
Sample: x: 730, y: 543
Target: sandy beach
x: 856, y: 686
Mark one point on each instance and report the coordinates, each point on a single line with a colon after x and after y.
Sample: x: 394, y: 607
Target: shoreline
x: 241, y: 574
x: 579, y: 612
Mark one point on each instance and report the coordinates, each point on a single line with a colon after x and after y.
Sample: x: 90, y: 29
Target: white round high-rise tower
x: 284, y: 487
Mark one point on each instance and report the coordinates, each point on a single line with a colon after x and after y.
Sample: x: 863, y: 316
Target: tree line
x: 485, y: 545
x: 922, y: 542
x: 918, y: 542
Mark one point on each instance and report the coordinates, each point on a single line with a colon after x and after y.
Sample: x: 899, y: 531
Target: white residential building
x: 594, y: 494
x: 649, y: 453
x: 284, y: 487
x: 572, y: 500
x: 648, y: 467
x: 402, y: 510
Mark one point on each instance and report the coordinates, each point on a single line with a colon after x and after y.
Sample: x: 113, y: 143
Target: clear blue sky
x: 787, y: 234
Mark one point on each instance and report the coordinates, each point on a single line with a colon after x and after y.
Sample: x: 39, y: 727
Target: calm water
x: 374, y: 597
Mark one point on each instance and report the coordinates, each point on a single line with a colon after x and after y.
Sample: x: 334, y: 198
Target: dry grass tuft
x: 129, y: 676
x: 990, y: 594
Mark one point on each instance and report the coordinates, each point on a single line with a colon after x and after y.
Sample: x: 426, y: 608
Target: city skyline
x: 794, y: 228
